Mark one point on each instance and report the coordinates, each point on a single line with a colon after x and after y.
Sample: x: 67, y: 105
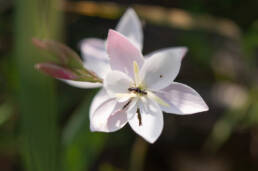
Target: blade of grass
x: 81, y: 146
x: 36, y: 93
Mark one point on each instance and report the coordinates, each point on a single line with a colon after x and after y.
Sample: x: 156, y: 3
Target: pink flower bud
x: 56, y: 71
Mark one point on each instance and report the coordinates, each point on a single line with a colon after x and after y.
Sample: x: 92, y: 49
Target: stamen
x: 139, y: 116
x: 127, y: 104
x: 124, y: 95
x: 157, y: 99
x: 136, y: 73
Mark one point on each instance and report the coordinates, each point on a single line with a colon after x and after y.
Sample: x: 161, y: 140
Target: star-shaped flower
x: 139, y: 89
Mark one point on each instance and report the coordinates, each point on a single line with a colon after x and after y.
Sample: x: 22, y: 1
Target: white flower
x: 137, y: 90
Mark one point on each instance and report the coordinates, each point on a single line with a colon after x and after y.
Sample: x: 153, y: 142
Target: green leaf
x: 81, y: 147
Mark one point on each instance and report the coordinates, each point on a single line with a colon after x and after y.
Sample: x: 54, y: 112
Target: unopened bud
x: 65, y: 55
x: 56, y: 71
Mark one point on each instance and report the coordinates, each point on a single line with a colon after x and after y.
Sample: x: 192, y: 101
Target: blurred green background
x: 44, y: 123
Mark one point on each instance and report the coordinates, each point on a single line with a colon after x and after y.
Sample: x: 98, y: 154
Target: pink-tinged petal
x: 132, y: 107
x: 117, y: 82
x: 130, y: 26
x: 162, y: 67
x: 182, y: 99
x: 117, y: 119
x: 56, y: 71
x: 94, y: 56
x: 98, y: 99
x: 108, y: 117
x: 122, y: 53
x: 152, y: 122
x: 82, y: 84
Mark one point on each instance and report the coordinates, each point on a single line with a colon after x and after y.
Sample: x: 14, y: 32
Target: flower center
x: 137, y: 90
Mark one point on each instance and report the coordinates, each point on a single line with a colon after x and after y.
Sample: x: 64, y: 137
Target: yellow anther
x: 157, y: 99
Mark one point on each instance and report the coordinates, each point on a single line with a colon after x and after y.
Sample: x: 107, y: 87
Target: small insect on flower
x: 137, y: 90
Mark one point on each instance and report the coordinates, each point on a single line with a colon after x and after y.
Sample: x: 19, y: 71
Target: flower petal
x: 98, y: 99
x: 151, y: 120
x: 131, y: 27
x: 95, y: 56
x: 82, y: 84
x: 132, y: 108
x: 108, y: 117
x: 162, y: 67
x: 182, y: 99
x: 122, y: 53
x: 116, y: 82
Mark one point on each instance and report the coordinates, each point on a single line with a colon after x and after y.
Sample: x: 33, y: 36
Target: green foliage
x: 36, y: 93
x: 81, y: 146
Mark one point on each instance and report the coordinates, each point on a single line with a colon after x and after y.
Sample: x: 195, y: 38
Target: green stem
x: 138, y: 155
